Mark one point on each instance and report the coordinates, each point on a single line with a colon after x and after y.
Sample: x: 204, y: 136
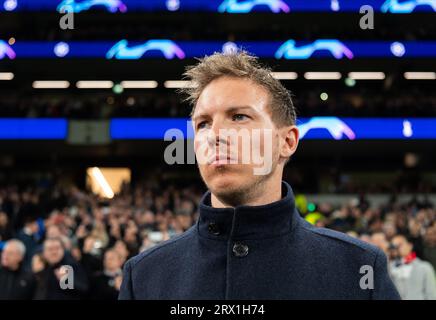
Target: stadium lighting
x: 350, y: 82
x: 367, y: 75
x: 133, y: 84
x: 50, y: 84
x: 102, y: 182
x: 94, y: 84
x: 6, y: 75
x: 420, y: 75
x: 322, y: 75
x: 118, y: 89
x: 285, y: 75
x: 174, y: 84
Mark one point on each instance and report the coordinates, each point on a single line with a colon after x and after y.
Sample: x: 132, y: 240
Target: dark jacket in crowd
x: 91, y: 264
x: 6, y: 232
x: 49, y: 288
x: 31, y: 244
x: 430, y: 254
x: 103, y: 287
x: 16, y: 285
x: 261, y: 252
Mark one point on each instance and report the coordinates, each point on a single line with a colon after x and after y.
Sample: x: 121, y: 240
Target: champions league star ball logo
x: 168, y: 48
x: 79, y: 6
x: 394, y: 6
x: 289, y: 49
x: 6, y: 51
x: 335, y: 126
x: 246, y: 6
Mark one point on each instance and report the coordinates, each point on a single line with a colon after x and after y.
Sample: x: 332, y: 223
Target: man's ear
x: 289, y: 141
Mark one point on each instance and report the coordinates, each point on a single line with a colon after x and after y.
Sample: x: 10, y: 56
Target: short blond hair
x: 242, y: 65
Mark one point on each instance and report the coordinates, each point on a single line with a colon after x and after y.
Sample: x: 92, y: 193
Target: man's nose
x: 214, y: 136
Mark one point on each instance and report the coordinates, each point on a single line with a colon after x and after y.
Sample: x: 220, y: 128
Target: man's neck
x: 270, y: 192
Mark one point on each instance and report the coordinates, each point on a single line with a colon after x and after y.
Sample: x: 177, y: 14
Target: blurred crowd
x: 340, y: 101
x: 67, y: 226
x: 45, y: 228
x: 405, y: 232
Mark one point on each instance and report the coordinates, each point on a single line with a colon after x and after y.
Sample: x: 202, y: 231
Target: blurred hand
x: 118, y: 280
x: 88, y: 245
x: 60, y: 272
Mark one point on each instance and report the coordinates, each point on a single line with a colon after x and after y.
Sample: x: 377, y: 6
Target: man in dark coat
x: 249, y: 241
x: 29, y: 236
x: 54, y: 282
x: 105, y: 285
x: 16, y: 283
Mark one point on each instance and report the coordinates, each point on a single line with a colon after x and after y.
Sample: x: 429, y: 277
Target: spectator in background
x: 15, y: 282
x: 430, y: 245
x: 146, y: 243
x: 38, y: 263
x: 413, y: 277
x: 106, y: 285
x: 131, y: 238
x: 121, y: 248
x: 6, y: 230
x: 55, y: 231
x: 29, y: 236
x: 379, y: 240
x: 29, y: 209
x: 415, y: 237
x: 147, y: 213
x: 389, y: 230
x: 49, y: 278
x: 99, y: 233
x: 91, y: 256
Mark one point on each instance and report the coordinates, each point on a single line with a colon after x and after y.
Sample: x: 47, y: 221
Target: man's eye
x: 201, y: 125
x: 239, y: 117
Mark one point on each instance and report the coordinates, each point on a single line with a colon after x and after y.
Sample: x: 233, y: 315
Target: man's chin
x: 225, y: 183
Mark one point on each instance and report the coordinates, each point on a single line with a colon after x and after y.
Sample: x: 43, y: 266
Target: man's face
x: 11, y: 256
x: 430, y: 236
x: 379, y: 240
x: 121, y: 248
x: 403, y: 246
x: 3, y: 219
x: 53, y: 251
x: 53, y: 232
x: 112, y: 261
x: 232, y: 163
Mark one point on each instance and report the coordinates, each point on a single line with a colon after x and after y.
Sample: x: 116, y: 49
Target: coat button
x: 213, y: 228
x: 240, y: 250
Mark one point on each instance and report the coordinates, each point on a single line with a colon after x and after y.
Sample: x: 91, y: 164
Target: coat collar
x: 248, y: 222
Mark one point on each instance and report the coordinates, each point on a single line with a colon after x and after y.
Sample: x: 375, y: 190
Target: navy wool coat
x: 258, y: 252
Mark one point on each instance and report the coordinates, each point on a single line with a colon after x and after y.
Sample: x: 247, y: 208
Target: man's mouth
x: 220, y: 160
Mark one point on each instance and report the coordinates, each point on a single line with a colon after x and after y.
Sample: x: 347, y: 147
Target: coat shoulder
x: 335, y: 239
